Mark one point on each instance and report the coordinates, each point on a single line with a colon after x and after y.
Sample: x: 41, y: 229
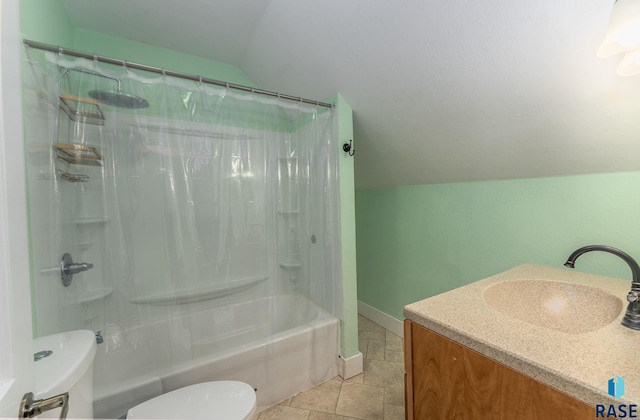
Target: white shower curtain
x: 206, y: 198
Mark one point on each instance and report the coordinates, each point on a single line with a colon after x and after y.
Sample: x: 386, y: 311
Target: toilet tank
x: 68, y: 368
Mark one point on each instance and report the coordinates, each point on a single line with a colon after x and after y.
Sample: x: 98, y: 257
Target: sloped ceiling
x: 462, y: 90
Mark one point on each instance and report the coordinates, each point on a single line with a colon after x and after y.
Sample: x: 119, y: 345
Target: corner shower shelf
x: 93, y: 295
x: 179, y: 297
x: 290, y: 265
x: 85, y: 245
x: 91, y: 220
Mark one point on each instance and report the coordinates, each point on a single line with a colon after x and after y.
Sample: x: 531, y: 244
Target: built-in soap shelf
x: 290, y: 265
x: 93, y: 295
x: 88, y: 310
x: 84, y: 245
x: 88, y: 228
x: 88, y: 221
x: 288, y: 212
x: 91, y: 220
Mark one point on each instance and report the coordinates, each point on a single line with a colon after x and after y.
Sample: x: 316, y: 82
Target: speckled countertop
x: 579, y: 364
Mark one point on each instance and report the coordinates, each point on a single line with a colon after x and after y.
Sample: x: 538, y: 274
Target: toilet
x: 64, y: 363
x: 208, y: 400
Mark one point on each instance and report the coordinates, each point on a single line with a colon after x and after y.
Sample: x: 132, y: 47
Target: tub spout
x: 631, y: 318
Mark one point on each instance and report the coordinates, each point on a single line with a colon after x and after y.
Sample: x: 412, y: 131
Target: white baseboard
x: 351, y: 366
x: 394, y: 325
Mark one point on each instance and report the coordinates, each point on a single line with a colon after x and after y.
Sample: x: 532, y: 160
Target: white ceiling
x: 442, y: 91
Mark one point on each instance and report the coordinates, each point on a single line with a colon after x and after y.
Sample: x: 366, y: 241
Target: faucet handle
x: 633, y: 296
x: 68, y: 268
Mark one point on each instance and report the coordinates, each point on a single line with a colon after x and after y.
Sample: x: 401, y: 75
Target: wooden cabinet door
x: 446, y: 380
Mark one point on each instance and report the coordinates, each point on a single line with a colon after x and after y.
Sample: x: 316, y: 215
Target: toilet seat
x: 228, y: 400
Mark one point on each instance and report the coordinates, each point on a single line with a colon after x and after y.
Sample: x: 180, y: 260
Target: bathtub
x: 280, y: 345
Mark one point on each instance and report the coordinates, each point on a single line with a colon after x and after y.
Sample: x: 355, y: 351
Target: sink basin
x: 566, y: 307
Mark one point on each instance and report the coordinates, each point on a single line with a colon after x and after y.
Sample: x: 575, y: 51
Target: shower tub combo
x: 209, y: 218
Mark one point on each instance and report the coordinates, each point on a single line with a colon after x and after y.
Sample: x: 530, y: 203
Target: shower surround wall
x: 204, y: 202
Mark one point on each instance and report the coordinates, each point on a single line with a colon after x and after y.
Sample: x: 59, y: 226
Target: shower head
x: 119, y: 99
x: 111, y: 98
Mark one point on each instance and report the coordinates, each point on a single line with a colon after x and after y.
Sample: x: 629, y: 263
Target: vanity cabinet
x: 445, y: 380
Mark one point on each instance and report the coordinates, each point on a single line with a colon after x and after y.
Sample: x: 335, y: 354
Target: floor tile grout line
x: 335, y: 408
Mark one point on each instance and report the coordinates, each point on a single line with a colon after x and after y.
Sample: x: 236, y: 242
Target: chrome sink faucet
x: 631, y: 318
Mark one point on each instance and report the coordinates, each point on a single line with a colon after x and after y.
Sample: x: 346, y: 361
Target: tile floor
x: 376, y: 394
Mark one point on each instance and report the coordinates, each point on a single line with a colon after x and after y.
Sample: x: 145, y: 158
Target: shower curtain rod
x: 158, y: 70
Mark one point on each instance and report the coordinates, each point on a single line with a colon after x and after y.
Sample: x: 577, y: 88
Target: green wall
x: 418, y: 241
x: 45, y: 21
x: 349, y: 330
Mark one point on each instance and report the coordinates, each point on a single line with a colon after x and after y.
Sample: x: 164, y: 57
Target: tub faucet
x: 631, y: 318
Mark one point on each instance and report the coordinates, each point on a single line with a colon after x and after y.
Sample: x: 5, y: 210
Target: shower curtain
x: 205, y: 198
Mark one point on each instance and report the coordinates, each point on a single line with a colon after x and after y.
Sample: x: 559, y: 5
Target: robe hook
x: 348, y: 149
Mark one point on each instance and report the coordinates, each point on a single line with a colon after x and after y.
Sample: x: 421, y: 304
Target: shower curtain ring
x: 28, y: 57
x: 60, y: 50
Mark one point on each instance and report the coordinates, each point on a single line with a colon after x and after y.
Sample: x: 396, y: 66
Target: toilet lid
x: 71, y: 356
x: 228, y: 400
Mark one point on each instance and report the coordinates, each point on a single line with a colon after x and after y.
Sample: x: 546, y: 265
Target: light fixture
x: 624, y: 36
